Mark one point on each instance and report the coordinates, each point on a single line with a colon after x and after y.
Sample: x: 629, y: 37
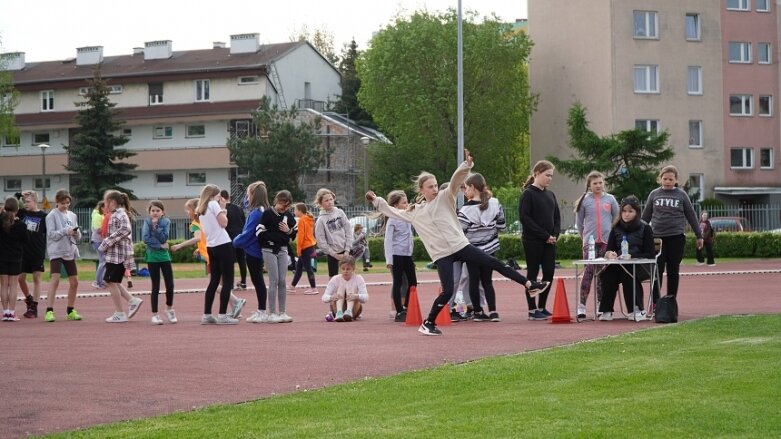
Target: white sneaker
x: 581, y: 311
x: 258, y: 317
x: 274, y: 318
x: 156, y: 320
x: 135, y: 304
x: 637, y: 316
x: 237, y: 307
x: 208, y: 319
x: 284, y: 318
x: 290, y: 289
x: 311, y: 292
x: 171, y: 315
x: 606, y: 316
x: 117, y: 317
x: 224, y: 319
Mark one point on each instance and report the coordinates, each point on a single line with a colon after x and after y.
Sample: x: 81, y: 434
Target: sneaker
x: 73, y: 315
x: 129, y: 284
x: 117, y: 317
x: 311, y: 292
x: 637, y: 316
x: 98, y: 286
x: 49, y: 317
x: 340, y: 316
x: 208, y: 320
x: 134, y: 305
x: 290, y: 289
x: 537, y: 315
x: 241, y: 286
x: 5, y: 316
x: 535, y: 288
x: 275, y: 318
x: 348, y: 315
x: 546, y: 313
x: 284, y: 318
x: 606, y: 316
x: 237, y: 306
x: 156, y: 320
x: 400, y: 317
x: 224, y: 319
x: 455, y: 316
x: 481, y: 317
x: 581, y: 311
x: 32, y: 311
x: 171, y: 315
x: 257, y: 317
x: 700, y: 263
x: 711, y: 265
x: 429, y: 328
x: 12, y: 317
x: 495, y: 317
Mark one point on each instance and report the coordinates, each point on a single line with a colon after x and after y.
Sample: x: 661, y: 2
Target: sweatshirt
x: 595, y: 217
x: 58, y: 243
x: 12, y: 243
x: 333, y: 232
x: 356, y: 284
x: 247, y: 240
x: 268, y: 233
x: 398, y: 239
x: 435, y: 222
x: 306, y: 233
x: 35, y: 247
x: 539, y: 214
x: 668, y: 211
x: 482, y: 227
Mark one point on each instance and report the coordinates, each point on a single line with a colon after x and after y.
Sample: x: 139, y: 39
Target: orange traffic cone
x: 443, y: 318
x: 413, y: 309
x: 560, y: 305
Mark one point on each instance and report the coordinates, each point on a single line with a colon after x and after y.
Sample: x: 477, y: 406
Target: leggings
x: 305, y: 263
x: 168, y: 277
x: 600, y: 248
x: 670, y: 258
x: 333, y: 266
x: 241, y: 259
x: 539, y: 254
x: 481, y: 275
x: 468, y: 254
x: 276, y: 264
x: 220, y: 268
x: 402, y: 265
x: 255, y: 266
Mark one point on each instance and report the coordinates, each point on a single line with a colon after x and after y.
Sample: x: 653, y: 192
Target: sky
x: 48, y: 30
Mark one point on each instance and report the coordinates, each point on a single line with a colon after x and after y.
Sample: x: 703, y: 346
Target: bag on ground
x: 666, y: 310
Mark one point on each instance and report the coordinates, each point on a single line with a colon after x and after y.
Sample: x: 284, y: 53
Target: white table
x: 602, y: 261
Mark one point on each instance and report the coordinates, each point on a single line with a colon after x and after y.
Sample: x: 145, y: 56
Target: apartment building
x: 704, y: 70
x: 179, y: 108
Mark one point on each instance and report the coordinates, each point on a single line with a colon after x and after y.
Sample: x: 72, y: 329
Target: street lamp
x: 365, y: 141
x: 43, y: 147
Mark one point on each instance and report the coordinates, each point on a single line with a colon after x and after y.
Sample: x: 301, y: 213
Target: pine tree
x: 94, y: 154
x: 348, y: 101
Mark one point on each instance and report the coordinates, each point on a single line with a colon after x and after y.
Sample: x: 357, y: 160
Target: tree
x: 283, y: 150
x: 348, y: 101
x: 9, y: 97
x: 409, y: 86
x: 322, y: 40
x: 630, y: 159
x: 94, y: 155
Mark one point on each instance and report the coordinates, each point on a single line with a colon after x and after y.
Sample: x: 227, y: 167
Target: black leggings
x: 305, y: 263
x: 168, y: 277
x: 670, y: 258
x: 481, y: 275
x: 333, y: 266
x: 468, y: 254
x: 241, y: 259
x: 221, y: 268
x: 255, y: 266
x: 539, y: 254
x: 402, y: 265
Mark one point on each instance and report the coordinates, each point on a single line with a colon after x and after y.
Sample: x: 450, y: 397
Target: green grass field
x: 716, y: 377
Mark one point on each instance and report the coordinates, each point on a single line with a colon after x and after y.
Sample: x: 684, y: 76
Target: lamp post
x: 43, y: 147
x: 365, y: 141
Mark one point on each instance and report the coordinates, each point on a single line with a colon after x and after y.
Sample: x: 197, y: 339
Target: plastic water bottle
x: 591, y: 249
x: 460, y: 303
x: 624, y: 248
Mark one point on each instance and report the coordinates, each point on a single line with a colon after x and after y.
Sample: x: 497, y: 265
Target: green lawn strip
x: 716, y: 377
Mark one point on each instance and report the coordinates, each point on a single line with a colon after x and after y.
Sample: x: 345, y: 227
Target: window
x: 164, y: 179
x: 650, y: 125
x: 127, y: 132
x: 739, y: 52
x: 39, y: 182
x: 695, y: 80
x: 112, y: 89
x: 692, y: 26
x: 39, y: 138
x: 646, y: 79
x: 695, y: 134
x: 163, y: 132
x: 741, y: 158
x: 196, y: 178
x: 202, y: 90
x: 13, y: 184
x: 47, y: 100
x: 248, y: 80
x: 645, y: 25
x: 11, y: 140
x: 765, y: 106
x: 737, y: 5
x: 766, y: 158
x: 196, y: 130
x: 763, y: 6
x: 740, y: 105
x: 155, y: 93
x: 696, y: 187
x: 764, y: 55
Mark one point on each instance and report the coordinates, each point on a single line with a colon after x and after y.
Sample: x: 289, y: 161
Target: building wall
x: 295, y: 70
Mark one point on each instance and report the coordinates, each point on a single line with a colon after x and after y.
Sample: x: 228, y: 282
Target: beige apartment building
x: 704, y: 70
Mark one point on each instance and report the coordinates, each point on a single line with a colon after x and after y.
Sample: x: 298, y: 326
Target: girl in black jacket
x: 276, y: 229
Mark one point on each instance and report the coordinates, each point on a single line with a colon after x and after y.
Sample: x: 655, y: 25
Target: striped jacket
x: 482, y: 227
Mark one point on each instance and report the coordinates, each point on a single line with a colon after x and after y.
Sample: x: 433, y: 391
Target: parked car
x: 730, y: 224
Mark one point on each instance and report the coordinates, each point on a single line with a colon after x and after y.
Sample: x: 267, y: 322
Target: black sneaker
x: 401, y: 317
x: 546, y: 313
x: 537, y: 315
x: 535, y: 288
x: 241, y: 286
x: 429, y: 328
x: 481, y: 317
x: 495, y: 317
x: 455, y: 316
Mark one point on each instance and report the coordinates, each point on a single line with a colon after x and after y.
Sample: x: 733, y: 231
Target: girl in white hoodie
x: 332, y: 230
x: 62, y: 234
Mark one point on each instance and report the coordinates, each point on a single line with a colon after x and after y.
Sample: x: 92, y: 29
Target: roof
x: 758, y: 190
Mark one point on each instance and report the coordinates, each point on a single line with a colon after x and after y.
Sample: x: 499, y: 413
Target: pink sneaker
x: 311, y: 292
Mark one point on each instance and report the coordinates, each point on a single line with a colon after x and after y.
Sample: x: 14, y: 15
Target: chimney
x: 245, y: 43
x: 157, y: 49
x: 138, y: 51
x: 12, y: 60
x: 89, y: 55
x: 218, y: 45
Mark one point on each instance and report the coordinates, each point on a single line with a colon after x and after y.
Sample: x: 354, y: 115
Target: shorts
x: 9, y: 268
x: 114, y: 273
x: 55, y: 265
x: 32, y: 265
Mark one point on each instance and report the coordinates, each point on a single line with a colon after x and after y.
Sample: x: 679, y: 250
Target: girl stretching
x: 434, y: 218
